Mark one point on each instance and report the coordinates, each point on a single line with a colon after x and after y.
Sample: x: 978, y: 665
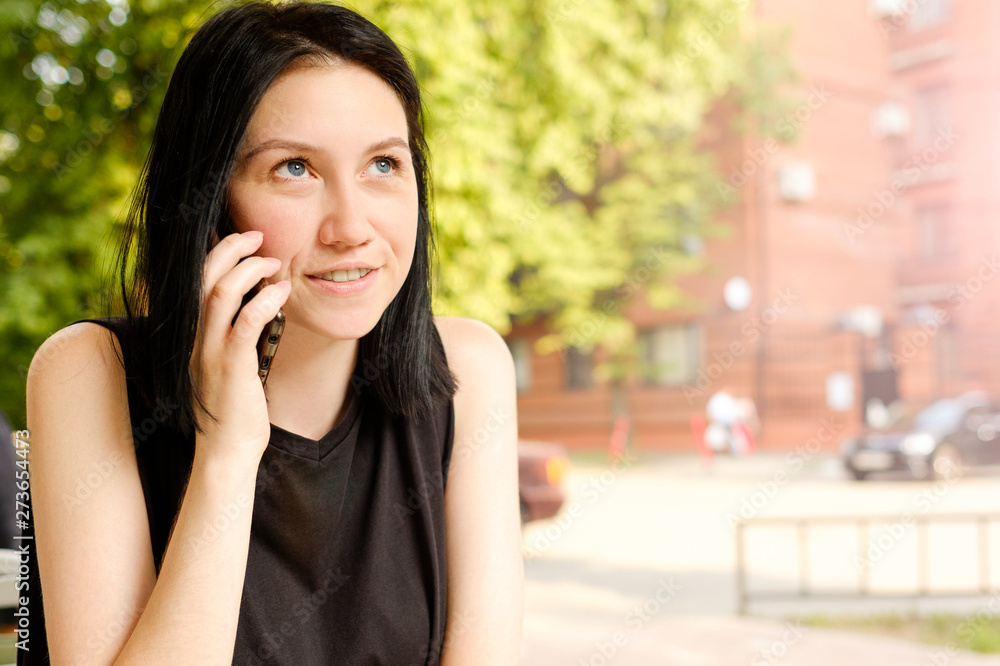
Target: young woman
x: 362, y: 508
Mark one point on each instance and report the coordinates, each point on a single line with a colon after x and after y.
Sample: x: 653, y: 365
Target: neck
x: 308, y: 384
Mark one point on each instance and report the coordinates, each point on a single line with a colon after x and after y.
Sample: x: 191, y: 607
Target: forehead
x: 335, y: 98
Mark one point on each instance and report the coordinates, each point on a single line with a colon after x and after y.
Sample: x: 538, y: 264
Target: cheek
x: 255, y: 214
x: 240, y: 207
x: 405, y: 243
x: 273, y: 217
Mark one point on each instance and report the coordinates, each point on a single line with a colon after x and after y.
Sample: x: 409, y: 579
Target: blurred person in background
x: 730, y: 420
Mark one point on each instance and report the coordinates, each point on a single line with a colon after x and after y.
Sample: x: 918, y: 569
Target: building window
x: 929, y: 13
x: 671, y: 354
x: 579, y: 368
x: 931, y: 116
x: 520, y: 351
x: 951, y: 363
x: 933, y: 233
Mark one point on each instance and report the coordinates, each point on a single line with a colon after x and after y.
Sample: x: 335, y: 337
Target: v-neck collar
x: 313, y: 449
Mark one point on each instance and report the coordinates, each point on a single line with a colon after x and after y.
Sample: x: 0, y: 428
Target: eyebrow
x: 272, y: 144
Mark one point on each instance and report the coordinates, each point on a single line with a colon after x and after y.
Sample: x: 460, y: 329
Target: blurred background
x: 743, y: 253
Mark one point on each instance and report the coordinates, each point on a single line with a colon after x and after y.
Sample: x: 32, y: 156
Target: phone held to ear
x: 267, y: 345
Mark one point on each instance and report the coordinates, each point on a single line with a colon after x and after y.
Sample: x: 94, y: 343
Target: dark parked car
x: 541, y: 468
x: 938, y: 442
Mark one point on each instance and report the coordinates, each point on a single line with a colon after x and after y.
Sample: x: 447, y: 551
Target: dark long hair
x: 181, y: 197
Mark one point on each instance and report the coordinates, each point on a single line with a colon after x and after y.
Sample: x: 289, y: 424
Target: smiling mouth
x: 344, y: 276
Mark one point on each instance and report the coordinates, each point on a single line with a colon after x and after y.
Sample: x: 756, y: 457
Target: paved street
x: 638, y: 568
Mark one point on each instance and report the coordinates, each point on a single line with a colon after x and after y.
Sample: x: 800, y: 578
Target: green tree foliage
x: 563, y: 141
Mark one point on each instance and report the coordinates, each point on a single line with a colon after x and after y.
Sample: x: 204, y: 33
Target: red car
x: 541, y: 469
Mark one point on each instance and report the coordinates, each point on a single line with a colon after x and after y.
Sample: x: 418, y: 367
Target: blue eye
x: 296, y: 168
x: 383, y: 165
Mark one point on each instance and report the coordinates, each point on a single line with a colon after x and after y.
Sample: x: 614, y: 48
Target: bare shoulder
x: 473, y: 346
x: 78, y: 354
x: 76, y: 378
x: 487, y: 394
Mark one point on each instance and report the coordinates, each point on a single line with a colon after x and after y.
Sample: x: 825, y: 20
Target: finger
x: 226, y: 296
x: 223, y: 258
x: 261, y: 309
x: 227, y: 254
x: 236, y: 246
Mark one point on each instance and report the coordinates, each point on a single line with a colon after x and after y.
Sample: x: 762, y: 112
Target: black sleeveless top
x: 346, y: 562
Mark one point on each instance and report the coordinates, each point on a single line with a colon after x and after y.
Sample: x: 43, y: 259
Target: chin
x: 347, y: 326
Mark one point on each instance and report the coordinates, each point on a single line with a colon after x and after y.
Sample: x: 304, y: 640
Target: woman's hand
x: 224, y: 360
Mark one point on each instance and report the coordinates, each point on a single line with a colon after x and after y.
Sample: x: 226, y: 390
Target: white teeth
x: 345, y: 276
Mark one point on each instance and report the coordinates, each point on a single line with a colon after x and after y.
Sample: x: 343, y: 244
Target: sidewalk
x: 665, y: 521
x: 700, y: 640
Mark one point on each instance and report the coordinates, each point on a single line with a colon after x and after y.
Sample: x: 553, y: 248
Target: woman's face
x: 325, y: 173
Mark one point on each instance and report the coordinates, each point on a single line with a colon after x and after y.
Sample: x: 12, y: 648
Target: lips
x: 344, y: 275
x: 326, y: 284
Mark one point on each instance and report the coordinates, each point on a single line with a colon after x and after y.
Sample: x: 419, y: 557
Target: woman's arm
x: 103, y: 601
x: 482, y: 511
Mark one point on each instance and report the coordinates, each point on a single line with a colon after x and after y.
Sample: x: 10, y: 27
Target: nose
x: 344, y: 219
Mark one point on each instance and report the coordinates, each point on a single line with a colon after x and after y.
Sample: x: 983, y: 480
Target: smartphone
x: 268, y: 345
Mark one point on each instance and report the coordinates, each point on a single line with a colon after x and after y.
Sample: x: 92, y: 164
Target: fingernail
x: 254, y: 234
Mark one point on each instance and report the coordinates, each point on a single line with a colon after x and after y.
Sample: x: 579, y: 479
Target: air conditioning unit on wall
x: 891, y: 119
x: 797, y: 181
x: 887, y: 8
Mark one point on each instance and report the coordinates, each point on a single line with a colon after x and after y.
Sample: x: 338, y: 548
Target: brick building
x: 860, y: 257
